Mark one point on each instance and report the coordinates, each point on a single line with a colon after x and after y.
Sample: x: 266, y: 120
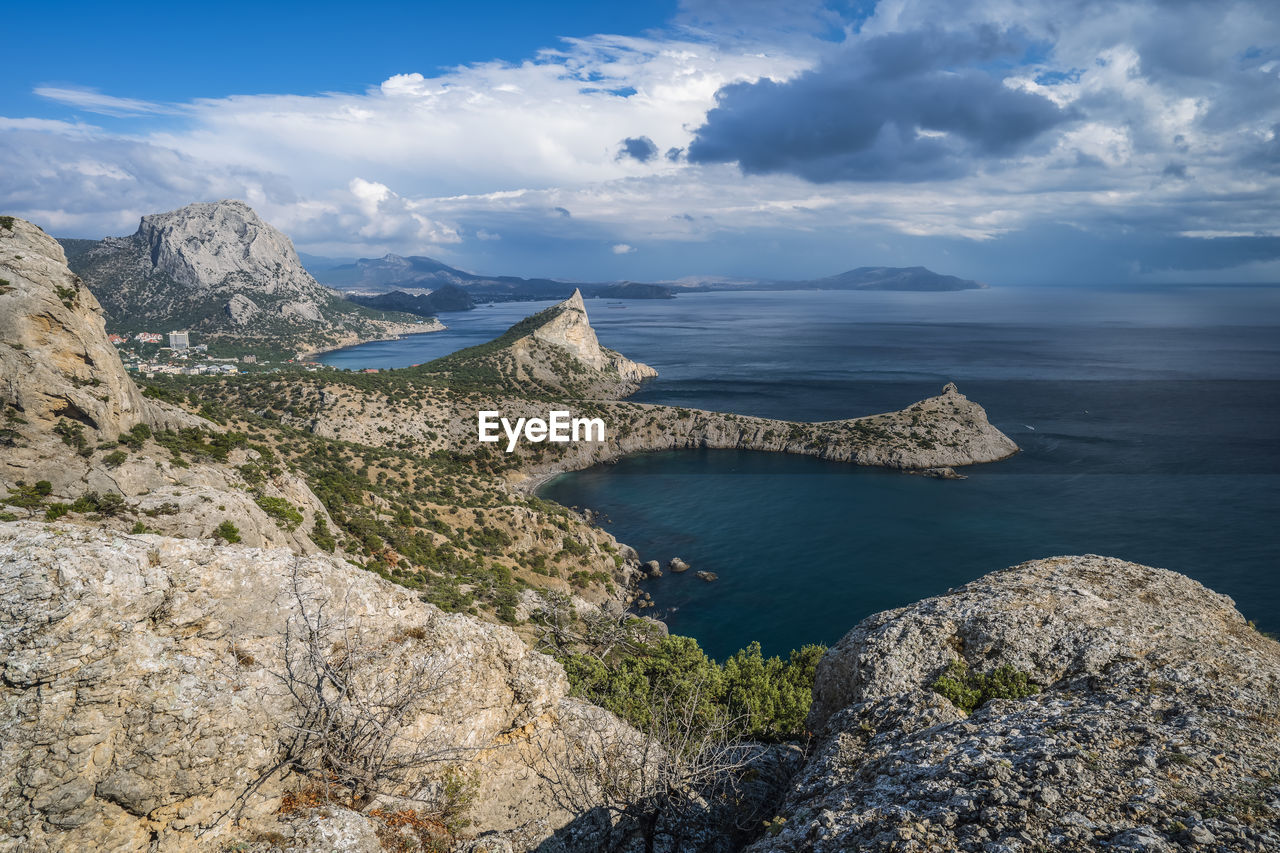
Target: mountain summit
x: 219, y: 269
x: 554, y: 351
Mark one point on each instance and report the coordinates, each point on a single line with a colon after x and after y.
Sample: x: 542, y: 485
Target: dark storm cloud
x: 1212, y: 253
x: 1265, y: 155
x: 638, y: 148
x: 906, y: 106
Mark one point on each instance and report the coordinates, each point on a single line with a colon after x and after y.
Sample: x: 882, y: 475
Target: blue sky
x: 1015, y: 142
x: 182, y: 51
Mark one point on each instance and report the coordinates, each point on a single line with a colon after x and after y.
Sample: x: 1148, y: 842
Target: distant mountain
x: 219, y: 270
x: 862, y: 278
x: 370, y: 276
x: 417, y: 272
x: 633, y: 290
x: 893, y: 278
x: 447, y: 298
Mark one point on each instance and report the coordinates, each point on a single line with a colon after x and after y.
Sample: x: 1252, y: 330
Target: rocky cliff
x: 55, y: 360
x: 67, y: 401
x: 569, y: 329
x: 1073, y: 703
x: 222, y: 271
x: 148, y: 699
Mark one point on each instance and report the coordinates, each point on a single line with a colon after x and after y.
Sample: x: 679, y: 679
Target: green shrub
x: 227, y: 532
x: 110, y: 504
x: 72, y: 435
x: 115, y: 459
x: 321, y: 536
x: 56, y: 511
x: 285, y: 513
x: 969, y: 690
x: 136, y: 436
x: 767, y: 698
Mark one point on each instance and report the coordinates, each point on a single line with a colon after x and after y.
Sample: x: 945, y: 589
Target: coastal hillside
x: 219, y: 271
x: 82, y: 444
x: 554, y: 352
x: 308, y: 612
x: 447, y: 298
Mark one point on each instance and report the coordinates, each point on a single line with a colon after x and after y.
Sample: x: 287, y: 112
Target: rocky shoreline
x: 930, y: 437
x: 408, y: 331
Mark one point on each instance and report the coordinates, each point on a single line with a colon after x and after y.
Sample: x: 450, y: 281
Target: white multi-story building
x: 179, y: 340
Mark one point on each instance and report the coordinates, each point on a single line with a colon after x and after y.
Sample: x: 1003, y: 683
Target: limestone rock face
x: 202, y: 245
x: 217, y: 268
x: 569, y: 330
x: 141, y: 694
x: 55, y: 360
x: 241, y: 309
x: 946, y: 430
x: 1156, y: 725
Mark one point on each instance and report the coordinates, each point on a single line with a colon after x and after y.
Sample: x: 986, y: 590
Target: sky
x: 1012, y: 141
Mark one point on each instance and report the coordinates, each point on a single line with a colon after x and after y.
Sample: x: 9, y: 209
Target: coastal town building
x: 179, y: 340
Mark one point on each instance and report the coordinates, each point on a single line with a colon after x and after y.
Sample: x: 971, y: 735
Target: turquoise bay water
x: 1147, y: 420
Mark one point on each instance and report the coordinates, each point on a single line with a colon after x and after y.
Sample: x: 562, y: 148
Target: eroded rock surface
x: 1156, y: 725
x: 55, y: 360
x: 141, y: 699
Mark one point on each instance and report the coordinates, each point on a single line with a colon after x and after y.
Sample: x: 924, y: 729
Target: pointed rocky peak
x: 529, y: 358
x: 569, y: 329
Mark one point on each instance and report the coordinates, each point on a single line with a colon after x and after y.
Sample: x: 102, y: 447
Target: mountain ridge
x: 396, y: 272
x: 218, y: 269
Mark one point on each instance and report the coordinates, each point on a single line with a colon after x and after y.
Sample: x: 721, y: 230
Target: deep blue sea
x: 1147, y: 418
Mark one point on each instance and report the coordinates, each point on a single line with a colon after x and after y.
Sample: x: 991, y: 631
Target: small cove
x: 1147, y: 420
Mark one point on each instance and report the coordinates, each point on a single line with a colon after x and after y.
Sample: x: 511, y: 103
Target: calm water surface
x: 1147, y: 420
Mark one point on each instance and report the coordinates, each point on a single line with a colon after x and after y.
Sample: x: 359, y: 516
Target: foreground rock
x: 1156, y: 726
x: 143, y: 706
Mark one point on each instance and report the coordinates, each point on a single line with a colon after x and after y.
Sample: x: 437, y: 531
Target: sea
x: 1148, y: 420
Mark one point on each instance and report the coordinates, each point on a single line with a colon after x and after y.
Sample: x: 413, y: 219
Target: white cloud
x: 94, y: 101
x: 446, y: 163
